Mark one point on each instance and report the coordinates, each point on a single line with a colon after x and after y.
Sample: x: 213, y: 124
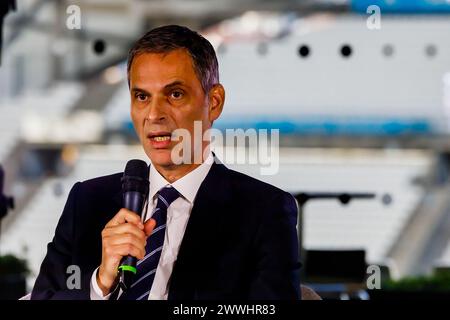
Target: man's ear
x: 216, y: 101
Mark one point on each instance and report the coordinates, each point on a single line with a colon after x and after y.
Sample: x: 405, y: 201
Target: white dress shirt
x: 177, y: 218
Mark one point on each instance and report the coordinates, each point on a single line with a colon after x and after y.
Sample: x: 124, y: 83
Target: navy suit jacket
x: 240, y: 241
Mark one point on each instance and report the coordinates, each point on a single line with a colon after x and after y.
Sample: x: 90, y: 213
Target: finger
x: 125, y: 228
x: 125, y: 250
x: 125, y: 239
x: 125, y: 215
x: 149, y: 225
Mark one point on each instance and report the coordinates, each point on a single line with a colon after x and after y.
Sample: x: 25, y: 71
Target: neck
x: 174, y: 172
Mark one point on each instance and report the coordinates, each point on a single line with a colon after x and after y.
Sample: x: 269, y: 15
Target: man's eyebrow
x: 173, y: 84
x: 136, y: 89
x: 167, y: 86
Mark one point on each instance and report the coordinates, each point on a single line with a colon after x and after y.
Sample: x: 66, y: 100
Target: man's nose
x: 156, y: 111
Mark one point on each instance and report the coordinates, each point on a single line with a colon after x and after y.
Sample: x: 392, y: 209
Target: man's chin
x: 161, y: 158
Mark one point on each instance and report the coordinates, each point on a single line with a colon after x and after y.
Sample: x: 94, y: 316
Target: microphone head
x: 136, y: 168
x: 135, y: 177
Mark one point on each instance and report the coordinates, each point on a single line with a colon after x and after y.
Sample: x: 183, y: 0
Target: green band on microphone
x: 128, y: 268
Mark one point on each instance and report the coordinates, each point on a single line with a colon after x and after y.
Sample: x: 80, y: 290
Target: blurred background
x: 359, y: 90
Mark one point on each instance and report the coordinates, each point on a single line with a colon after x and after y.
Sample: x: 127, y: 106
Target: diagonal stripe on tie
x: 143, y: 296
x: 143, y: 277
x: 158, y: 228
x: 163, y: 200
x: 149, y: 255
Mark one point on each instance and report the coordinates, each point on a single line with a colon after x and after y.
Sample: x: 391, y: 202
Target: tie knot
x: 168, y: 195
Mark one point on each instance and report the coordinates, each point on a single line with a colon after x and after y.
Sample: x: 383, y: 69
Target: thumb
x: 149, y: 225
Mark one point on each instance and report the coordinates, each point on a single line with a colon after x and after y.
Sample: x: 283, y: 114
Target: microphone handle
x: 133, y: 201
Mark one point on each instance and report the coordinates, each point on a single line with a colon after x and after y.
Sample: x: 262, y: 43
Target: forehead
x: 158, y: 69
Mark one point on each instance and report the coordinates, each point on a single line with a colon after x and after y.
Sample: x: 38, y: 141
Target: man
x: 211, y: 233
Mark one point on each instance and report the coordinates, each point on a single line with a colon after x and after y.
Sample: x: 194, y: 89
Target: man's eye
x: 141, y: 97
x: 176, y: 94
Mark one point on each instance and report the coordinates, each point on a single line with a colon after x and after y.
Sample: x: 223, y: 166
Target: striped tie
x: 146, y: 268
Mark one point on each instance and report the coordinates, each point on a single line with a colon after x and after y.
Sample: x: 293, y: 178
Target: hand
x: 123, y: 235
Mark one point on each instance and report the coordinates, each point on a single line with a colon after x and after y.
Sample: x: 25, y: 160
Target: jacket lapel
x: 202, y: 232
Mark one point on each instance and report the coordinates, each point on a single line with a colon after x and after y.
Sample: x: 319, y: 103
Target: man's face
x: 167, y: 95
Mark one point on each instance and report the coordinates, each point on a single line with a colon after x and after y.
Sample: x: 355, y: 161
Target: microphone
x: 135, y: 187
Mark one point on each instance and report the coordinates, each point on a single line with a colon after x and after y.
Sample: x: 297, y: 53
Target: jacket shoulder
x: 254, y: 187
x: 104, y: 184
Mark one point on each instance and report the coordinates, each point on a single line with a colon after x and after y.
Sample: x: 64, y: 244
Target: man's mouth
x: 160, y: 139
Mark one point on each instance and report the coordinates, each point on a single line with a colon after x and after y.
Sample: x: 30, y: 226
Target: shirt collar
x: 187, y: 185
